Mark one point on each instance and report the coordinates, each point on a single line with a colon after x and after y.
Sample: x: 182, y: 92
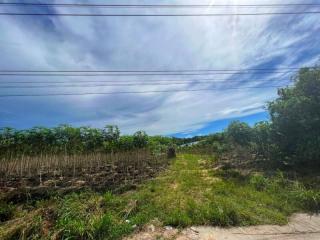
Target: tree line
x: 292, y: 135
x: 66, y: 139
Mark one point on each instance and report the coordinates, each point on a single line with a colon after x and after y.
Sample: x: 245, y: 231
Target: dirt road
x: 300, y: 227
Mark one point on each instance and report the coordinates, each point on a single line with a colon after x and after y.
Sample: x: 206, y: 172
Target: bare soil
x: 300, y: 227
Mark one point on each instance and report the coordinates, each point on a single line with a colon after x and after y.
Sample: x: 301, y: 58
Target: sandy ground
x: 300, y: 227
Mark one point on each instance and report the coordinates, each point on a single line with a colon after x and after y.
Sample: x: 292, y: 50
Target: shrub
x: 308, y: 199
x: 239, y: 133
x: 171, y: 153
x: 6, y: 211
x: 178, y: 218
x: 223, y: 215
x: 259, y: 182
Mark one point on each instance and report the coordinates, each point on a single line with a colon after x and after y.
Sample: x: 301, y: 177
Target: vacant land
x: 190, y: 192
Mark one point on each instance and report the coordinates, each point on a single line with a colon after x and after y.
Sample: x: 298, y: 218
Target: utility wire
x: 124, y: 83
x: 155, y: 71
x: 158, y: 15
x: 136, y: 82
x: 130, y: 84
x: 131, y: 92
x: 135, y: 74
x: 130, y: 80
x: 158, y: 5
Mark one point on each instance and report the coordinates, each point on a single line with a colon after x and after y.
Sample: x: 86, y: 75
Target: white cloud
x: 152, y: 43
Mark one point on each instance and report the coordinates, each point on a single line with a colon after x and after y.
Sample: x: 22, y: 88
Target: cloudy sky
x: 63, y: 43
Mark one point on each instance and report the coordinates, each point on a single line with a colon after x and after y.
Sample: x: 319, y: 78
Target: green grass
x: 186, y: 194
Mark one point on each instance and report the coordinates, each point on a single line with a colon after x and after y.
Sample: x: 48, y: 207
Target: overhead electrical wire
x: 180, y: 73
x: 158, y: 5
x: 125, y: 82
x: 77, y: 73
x: 129, y: 84
x: 125, y: 74
x: 153, y: 71
x: 158, y: 15
x: 137, y: 82
x: 131, y: 92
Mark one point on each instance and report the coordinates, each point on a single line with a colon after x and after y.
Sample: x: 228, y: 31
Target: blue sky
x: 122, y: 43
x: 220, y: 125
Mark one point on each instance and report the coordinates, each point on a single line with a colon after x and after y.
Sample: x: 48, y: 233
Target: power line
x: 129, y: 92
x: 136, y: 74
x: 130, y: 84
x: 158, y: 15
x: 159, y: 5
x: 156, y: 71
x: 124, y: 81
x: 113, y: 81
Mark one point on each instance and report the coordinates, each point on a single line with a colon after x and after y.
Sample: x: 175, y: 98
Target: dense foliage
x: 295, y: 119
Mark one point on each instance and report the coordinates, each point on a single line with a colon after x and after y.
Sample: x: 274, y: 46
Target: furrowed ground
x: 190, y: 192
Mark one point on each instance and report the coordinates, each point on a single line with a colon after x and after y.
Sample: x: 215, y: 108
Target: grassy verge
x: 186, y: 194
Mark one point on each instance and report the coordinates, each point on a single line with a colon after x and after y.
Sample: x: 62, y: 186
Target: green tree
x: 140, y: 139
x: 111, y: 136
x: 295, y: 116
x: 239, y: 133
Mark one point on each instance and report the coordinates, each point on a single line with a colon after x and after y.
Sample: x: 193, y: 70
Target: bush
x: 6, y: 211
x: 239, y: 133
x: 259, y: 182
x: 224, y: 216
x: 308, y: 199
x: 171, y: 153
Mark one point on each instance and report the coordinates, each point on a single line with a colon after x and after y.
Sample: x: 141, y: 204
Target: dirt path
x: 300, y: 227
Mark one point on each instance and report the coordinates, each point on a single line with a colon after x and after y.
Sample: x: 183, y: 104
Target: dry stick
x: 90, y: 166
x: 29, y: 166
x: 46, y: 164
x: 74, y: 167
x: 5, y: 169
x: 13, y: 165
x: 98, y: 160
x: 40, y: 177
x: 95, y: 161
x: 21, y: 163
x: 40, y: 166
x: 61, y: 167
x: 126, y: 170
x: 54, y: 170
x: 112, y: 168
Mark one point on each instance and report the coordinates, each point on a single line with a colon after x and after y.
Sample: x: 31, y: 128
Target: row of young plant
x: 66, y: 139
x: 291, y: 137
